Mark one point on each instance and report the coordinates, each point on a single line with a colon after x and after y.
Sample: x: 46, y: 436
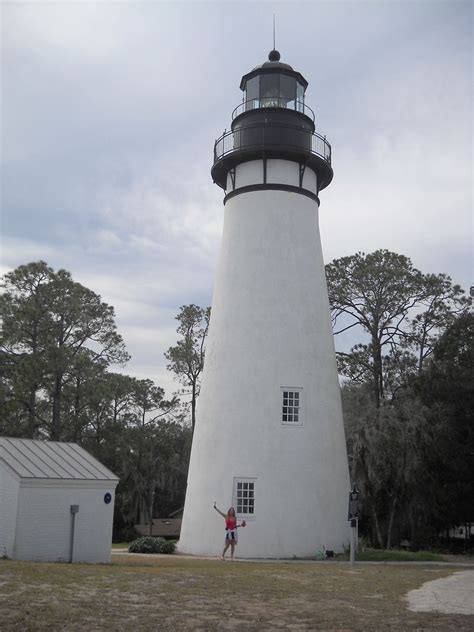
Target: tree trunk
x: 193, y: 406
x: 390, y: 522
x: 56, y: 422
x: 412, y: 531
x: 377, y: 528
x: 32, y: 425
x: 377, y: 370
x: 150, y: 509
x: 77, y: 408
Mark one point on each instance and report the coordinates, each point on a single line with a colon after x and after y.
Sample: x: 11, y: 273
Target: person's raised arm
x: 219, y: 511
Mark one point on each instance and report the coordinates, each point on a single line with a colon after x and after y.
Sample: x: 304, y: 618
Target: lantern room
x: 273, y: 84
x: 272, y: 122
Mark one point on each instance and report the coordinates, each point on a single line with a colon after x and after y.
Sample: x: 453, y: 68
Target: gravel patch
x: 450, y: 595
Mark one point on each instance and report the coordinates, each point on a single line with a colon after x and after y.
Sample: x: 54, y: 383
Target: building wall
x: 45, y: 521
x: 270, y: 328
x: 277, y: 172
x: 9, y: 486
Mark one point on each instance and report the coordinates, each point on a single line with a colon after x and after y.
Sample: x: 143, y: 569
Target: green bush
x: 168, y: 547
x: 149, y: 544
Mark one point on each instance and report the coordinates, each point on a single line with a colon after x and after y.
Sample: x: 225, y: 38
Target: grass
x: 366, y: 555
x: 395, y: 555
x: 176, y: 593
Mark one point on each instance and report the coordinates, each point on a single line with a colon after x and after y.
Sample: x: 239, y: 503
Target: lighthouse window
x: 299, y: 97
x: 291, y: 406
x: 274, y: 90
x: 269, y: 85
x: 244, y: 496
x: 287, y: 91
x: 251, y: 89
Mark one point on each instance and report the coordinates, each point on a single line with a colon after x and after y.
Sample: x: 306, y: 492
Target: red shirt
x: 230, y: 523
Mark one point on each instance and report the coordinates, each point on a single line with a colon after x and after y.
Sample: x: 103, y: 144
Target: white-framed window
x: 291, y: 406
x: 244, y: 497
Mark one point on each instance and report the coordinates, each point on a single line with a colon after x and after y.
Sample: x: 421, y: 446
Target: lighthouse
x: 269, y: 437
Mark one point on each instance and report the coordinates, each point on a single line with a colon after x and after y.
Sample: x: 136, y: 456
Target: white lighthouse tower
x: 269, y: 438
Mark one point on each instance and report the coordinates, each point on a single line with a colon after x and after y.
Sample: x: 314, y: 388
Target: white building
x: 269, y: 437
x: 56, y: 502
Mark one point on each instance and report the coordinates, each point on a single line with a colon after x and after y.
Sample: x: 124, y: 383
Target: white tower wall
x: 270, y: 330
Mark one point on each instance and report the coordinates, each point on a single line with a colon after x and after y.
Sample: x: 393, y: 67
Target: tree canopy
x: 399, y: 310
x: 406, y: 392
x: 54, y: 329
x: 186, y: 358
x: 58, y: 344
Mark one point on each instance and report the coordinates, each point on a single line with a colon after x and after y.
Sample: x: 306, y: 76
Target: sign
x: 107, y: 498
x: 353, y: 504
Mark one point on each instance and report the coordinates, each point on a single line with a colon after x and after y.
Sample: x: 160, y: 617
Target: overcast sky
x: 110, y: 111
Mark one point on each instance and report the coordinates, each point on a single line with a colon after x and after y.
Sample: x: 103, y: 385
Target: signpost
x: 353, y: 517
x: 74, y: 511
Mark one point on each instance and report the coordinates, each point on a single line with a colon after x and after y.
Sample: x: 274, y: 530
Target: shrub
x: 149, y: 544
x: 168, y: 547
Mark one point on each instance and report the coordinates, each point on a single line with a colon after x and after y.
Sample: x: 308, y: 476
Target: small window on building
x: 291, y: 406
x: 244, y: 496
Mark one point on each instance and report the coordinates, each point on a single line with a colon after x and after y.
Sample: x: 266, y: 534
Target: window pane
x: 299, y: 97
x: 287, y: 91
x: 239, y: 485
x: 269, y: 85
x: 251, y: 89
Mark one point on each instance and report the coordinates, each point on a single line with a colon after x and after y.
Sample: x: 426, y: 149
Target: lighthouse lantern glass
x: 251, y: 94
x: 299, y: 97
x: 275, y: 90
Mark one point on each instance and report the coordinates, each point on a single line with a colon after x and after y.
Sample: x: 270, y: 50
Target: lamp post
x: 353, y: 517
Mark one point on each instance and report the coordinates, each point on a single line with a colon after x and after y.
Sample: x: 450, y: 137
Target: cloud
x: 110, y: 113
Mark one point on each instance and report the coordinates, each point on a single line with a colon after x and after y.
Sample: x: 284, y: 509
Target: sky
x: 110, y: 111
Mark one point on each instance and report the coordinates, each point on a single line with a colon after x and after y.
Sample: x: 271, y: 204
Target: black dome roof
x: 273, y: 65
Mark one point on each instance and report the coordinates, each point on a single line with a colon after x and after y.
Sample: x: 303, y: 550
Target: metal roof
x: 161, y: 527
x: 51, y: 460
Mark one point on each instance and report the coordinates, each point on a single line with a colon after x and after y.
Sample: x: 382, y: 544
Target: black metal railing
x: 265, y: 136
x: 273, y: 102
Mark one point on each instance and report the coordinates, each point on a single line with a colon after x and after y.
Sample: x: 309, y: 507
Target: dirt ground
x: 171, y: 593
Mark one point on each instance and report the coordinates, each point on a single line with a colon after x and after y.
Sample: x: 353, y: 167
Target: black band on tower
x: 272, y: 187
